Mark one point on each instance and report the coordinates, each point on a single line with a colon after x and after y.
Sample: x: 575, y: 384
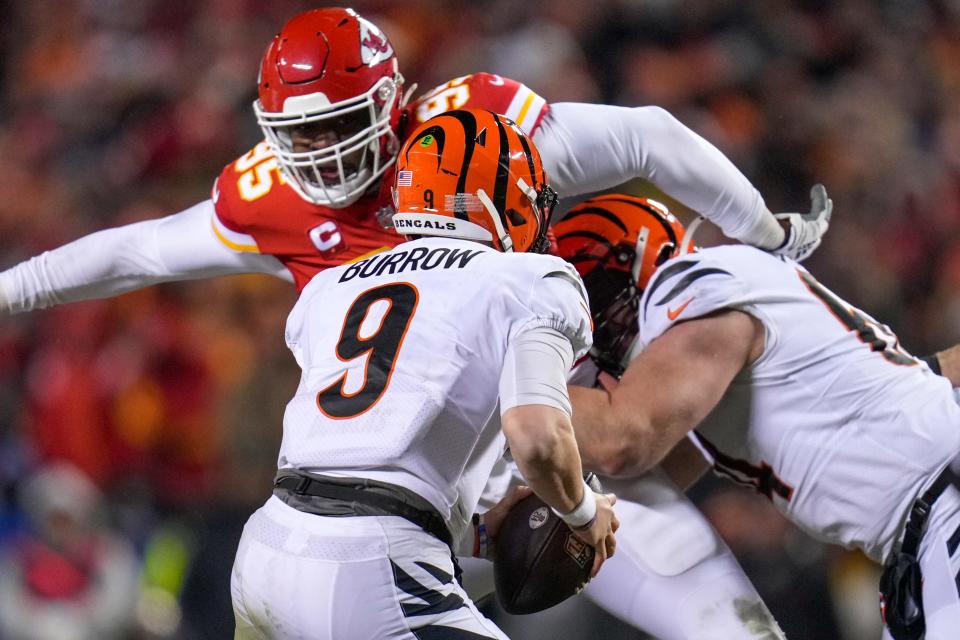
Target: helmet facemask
x: 615, y: 301
x: 617, y: 242
x: 545, y: 203
x: 361, y: 142
x: 542, y: 203
x: 615, y: 294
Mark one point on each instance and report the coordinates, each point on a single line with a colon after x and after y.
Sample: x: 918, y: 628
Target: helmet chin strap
x: 687, y: 241
x: 528, y: 191
x: 405, y: 98
x: 534, y: 198
x: 505, y: 240
x: 639, y: 250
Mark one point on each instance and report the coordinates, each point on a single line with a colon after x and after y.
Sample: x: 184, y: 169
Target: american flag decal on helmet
x: 405, y: 178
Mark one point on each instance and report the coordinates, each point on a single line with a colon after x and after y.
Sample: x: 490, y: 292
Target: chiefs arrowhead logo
x: 375, y: 43
x: 374, y: 46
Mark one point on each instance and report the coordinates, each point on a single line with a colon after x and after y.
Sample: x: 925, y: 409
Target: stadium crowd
x: 170, y: 399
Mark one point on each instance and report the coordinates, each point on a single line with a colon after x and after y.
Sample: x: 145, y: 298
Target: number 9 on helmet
x: 475, y: 175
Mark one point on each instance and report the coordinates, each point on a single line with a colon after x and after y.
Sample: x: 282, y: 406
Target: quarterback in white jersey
x: 438, y: 397
x: 411, y: 358
x: 805, y: 398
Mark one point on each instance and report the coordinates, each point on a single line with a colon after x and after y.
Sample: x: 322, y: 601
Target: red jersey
x: 258, y: 211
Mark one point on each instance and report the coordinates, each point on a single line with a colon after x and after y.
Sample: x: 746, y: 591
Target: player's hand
x: 804, y: 231
x: 493, y: 518
x: 599, y: 532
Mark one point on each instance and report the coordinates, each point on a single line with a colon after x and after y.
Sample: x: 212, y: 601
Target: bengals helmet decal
x: 473, y: 174
x: 616, y: 242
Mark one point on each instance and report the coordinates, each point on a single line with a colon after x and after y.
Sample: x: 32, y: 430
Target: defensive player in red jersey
x: 333, y: 110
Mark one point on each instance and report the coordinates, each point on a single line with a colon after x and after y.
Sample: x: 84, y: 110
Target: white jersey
x: 402, y: 355
x: 835, y: 423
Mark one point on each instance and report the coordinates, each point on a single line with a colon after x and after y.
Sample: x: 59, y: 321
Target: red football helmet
x: 616, y: 242
x: 476, y: 175
x: 329, y: 101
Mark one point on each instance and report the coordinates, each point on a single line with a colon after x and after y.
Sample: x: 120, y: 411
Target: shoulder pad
x: 483, y: 91
x: 558, y: 300
x: 688, y: 287
x: 254, y: 177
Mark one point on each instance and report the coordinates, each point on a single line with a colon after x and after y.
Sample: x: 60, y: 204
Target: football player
x: 333, y: 111
x: 396, y: 423
x: 793, y: 392
x: 332, y: 107
x: 674, y: 577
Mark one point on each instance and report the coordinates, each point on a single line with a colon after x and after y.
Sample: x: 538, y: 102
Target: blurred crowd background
x: 137, y: 434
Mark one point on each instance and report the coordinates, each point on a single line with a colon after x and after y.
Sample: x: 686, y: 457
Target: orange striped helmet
x: 475, y: 175
x: 616, y: 242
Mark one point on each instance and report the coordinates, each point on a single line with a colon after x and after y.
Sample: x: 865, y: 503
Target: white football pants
x: 672, y: 575
x: 299, y: 575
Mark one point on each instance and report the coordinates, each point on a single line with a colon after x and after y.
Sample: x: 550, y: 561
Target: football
x: 538, y: 561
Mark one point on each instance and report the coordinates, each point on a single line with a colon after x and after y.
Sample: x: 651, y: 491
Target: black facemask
x: 545, y: 203
x: 615, y: 300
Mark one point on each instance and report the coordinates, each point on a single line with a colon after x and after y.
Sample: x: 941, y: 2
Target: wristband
x: 481, y: 547
x: 787, y: 236
x: 584, y: 513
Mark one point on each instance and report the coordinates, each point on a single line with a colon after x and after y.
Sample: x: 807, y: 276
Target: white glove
x: 805, y: 230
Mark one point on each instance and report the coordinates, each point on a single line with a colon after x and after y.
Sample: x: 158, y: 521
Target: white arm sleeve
x: 592, y: 147
x: 535, y: 370
x: 182, y: 246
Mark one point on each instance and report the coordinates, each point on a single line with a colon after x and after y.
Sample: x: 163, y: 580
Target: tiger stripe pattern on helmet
x: 644, y: 231
x: 616, y: 242
x: 473, y: 174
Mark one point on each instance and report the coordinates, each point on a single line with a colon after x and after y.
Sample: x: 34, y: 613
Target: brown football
x: 539, y: 561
